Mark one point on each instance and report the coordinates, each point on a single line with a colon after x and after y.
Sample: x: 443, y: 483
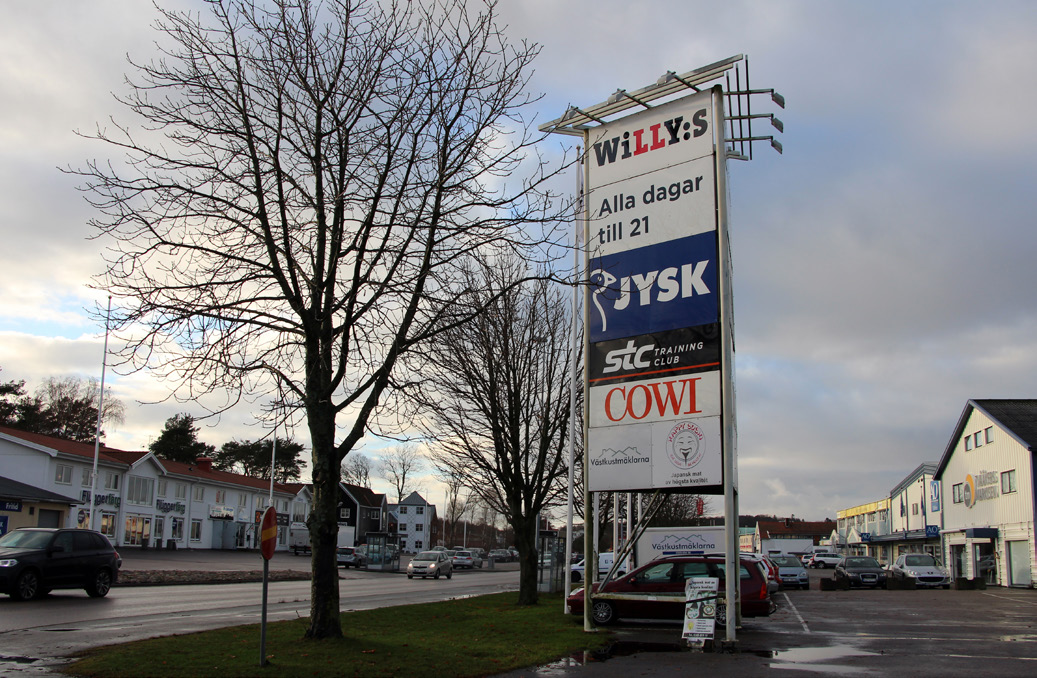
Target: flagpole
x: 572, y: 389
x: 100, y: 409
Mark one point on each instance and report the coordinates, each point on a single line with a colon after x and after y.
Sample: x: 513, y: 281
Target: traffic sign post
x: 267, y: 545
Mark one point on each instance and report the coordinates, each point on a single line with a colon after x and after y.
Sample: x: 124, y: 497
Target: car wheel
x: 603, y: 612
x: 436, y: 576
x: 410, y: 576
x: 101, y: 584
x: 450, y: 574
x: 721, y: 615
x: 27, y: 586
x: 575, y: 577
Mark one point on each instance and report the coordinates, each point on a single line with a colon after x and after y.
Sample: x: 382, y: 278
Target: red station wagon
x: 656, y: 590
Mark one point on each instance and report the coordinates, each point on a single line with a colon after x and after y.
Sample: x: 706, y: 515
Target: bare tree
x: 498, y: 401
x: 356, y: 470
x: 308, y: 179
x: 400, y: 466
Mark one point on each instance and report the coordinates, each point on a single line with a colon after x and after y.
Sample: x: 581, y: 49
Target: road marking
x: 788, y: 600
x: 1012, y: 599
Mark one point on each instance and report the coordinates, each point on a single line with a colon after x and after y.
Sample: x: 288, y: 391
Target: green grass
x: 479, y: 636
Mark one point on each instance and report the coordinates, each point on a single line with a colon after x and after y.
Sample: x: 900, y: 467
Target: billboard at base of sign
x: 657, y: 542
x: 676, y: 454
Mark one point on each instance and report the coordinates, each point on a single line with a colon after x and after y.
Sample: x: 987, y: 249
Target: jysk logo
x: 651, y: 138
x: 660, y: 287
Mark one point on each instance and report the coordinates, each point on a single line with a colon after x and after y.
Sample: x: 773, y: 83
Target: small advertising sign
x: 700, y: 609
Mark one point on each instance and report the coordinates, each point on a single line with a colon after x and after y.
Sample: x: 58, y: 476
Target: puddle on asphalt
x: 620, y: 648
x: 816, y: 658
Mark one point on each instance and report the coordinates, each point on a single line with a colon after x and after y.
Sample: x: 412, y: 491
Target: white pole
x: 572, y: 389
x: 100, y: 409
x: 273, y: 458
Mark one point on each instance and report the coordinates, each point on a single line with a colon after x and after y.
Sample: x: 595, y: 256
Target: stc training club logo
x: 685, y: 445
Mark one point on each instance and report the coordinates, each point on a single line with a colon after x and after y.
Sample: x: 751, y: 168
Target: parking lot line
x: 803, y: 623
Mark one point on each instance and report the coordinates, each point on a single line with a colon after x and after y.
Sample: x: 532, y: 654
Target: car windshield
x: 861, y: 562
x: 427, y: 555
x: 920, y: 561
x: 463, y: 554
x: 786, y: 561
x: 26, y: 539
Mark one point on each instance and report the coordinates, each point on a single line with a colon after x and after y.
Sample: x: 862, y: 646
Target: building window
x: 417, y: 545
x: 403, y: 510
x: 86, y: 476
x: 221, y: 496
x: 63, y: 474
x: 344, y: 513
x: 419, y: 528
x: 298, y: 512
x: 968, y: 443
x: 140, y: 490
x: 978, y: 438
x: 957, y: 493
x: 181, y: 491
x: 111, y: 481
x: 403, y: 527
x: 161, y: 490
x: 196, y: 529
x: 988, y: 433
x: 914, y: 509
x: 178, y: 529
x: 108, y: 525
x: 420, y: 510
x: 1008, y: 482
x: 199, y: 495
x: 242, y: 499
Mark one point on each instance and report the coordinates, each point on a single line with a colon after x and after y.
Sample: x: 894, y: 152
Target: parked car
x: 923, y: 568
x: 767, y: 567
x: 478, y: 552
x: 656, y: 590
x: 465, y: 559
x: 823, y: 559
x: 791, y: 572
x: 501, y: 555
x: 349, y: 557
x: 438, y: 548
x: 605, y: 560
x: 430, y: 564
x: 860, y: 571
x: 33, y: 561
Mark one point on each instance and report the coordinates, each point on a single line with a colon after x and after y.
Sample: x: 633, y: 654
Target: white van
x: 605, y: 561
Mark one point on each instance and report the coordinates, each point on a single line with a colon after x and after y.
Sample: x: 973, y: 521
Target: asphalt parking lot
x: 916, y: 633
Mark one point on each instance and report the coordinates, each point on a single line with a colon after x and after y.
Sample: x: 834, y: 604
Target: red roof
x: 113, y: 455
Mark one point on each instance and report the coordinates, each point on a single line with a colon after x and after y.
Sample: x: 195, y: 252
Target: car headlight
x: 10, y: 562
x: 911, y: 573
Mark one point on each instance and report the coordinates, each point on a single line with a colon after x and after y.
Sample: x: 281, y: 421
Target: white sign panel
x: 700, y: 609
x: 655, y: 387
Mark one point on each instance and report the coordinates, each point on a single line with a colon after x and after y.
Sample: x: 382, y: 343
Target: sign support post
x: 268, y: 543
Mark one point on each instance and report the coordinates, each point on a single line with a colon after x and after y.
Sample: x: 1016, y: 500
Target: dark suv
x: 35, y: 560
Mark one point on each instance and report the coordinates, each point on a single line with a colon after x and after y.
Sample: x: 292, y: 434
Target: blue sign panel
x: 932, y: 531
x: 3, y: 525
x: 656, y: 288
x: 934, y: 493
x: 11, y: 505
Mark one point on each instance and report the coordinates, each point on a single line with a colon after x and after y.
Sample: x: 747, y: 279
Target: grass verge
x: 480, y: 636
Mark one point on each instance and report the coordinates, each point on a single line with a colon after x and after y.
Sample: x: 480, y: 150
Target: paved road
x: 35, y: 635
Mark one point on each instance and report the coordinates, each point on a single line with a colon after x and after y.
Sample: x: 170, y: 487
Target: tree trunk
x: 526, y: 543
x: 325, y: 619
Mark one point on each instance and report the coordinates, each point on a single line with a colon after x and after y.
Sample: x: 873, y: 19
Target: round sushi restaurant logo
x: 684, y: 445
x: 969, y: 491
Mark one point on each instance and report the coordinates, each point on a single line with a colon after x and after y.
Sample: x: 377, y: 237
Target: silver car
x: 430, y: 564
x: 923, y: 568
x: 791, y: 572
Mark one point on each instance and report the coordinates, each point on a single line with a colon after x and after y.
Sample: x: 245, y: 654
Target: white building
x: 142, y: 500
x: 415, y: 520
x: 987, y: 476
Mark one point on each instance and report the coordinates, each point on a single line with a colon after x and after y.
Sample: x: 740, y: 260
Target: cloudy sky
x: 883, y: 265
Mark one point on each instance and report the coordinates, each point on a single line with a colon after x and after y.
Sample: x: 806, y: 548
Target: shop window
x: 958, y: 493
x: 108, y: 525
x: 196, y: 529
x: 1008, y: 482
x: 988, y: 434
x: 63, y: 474
x: 178, y: 529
